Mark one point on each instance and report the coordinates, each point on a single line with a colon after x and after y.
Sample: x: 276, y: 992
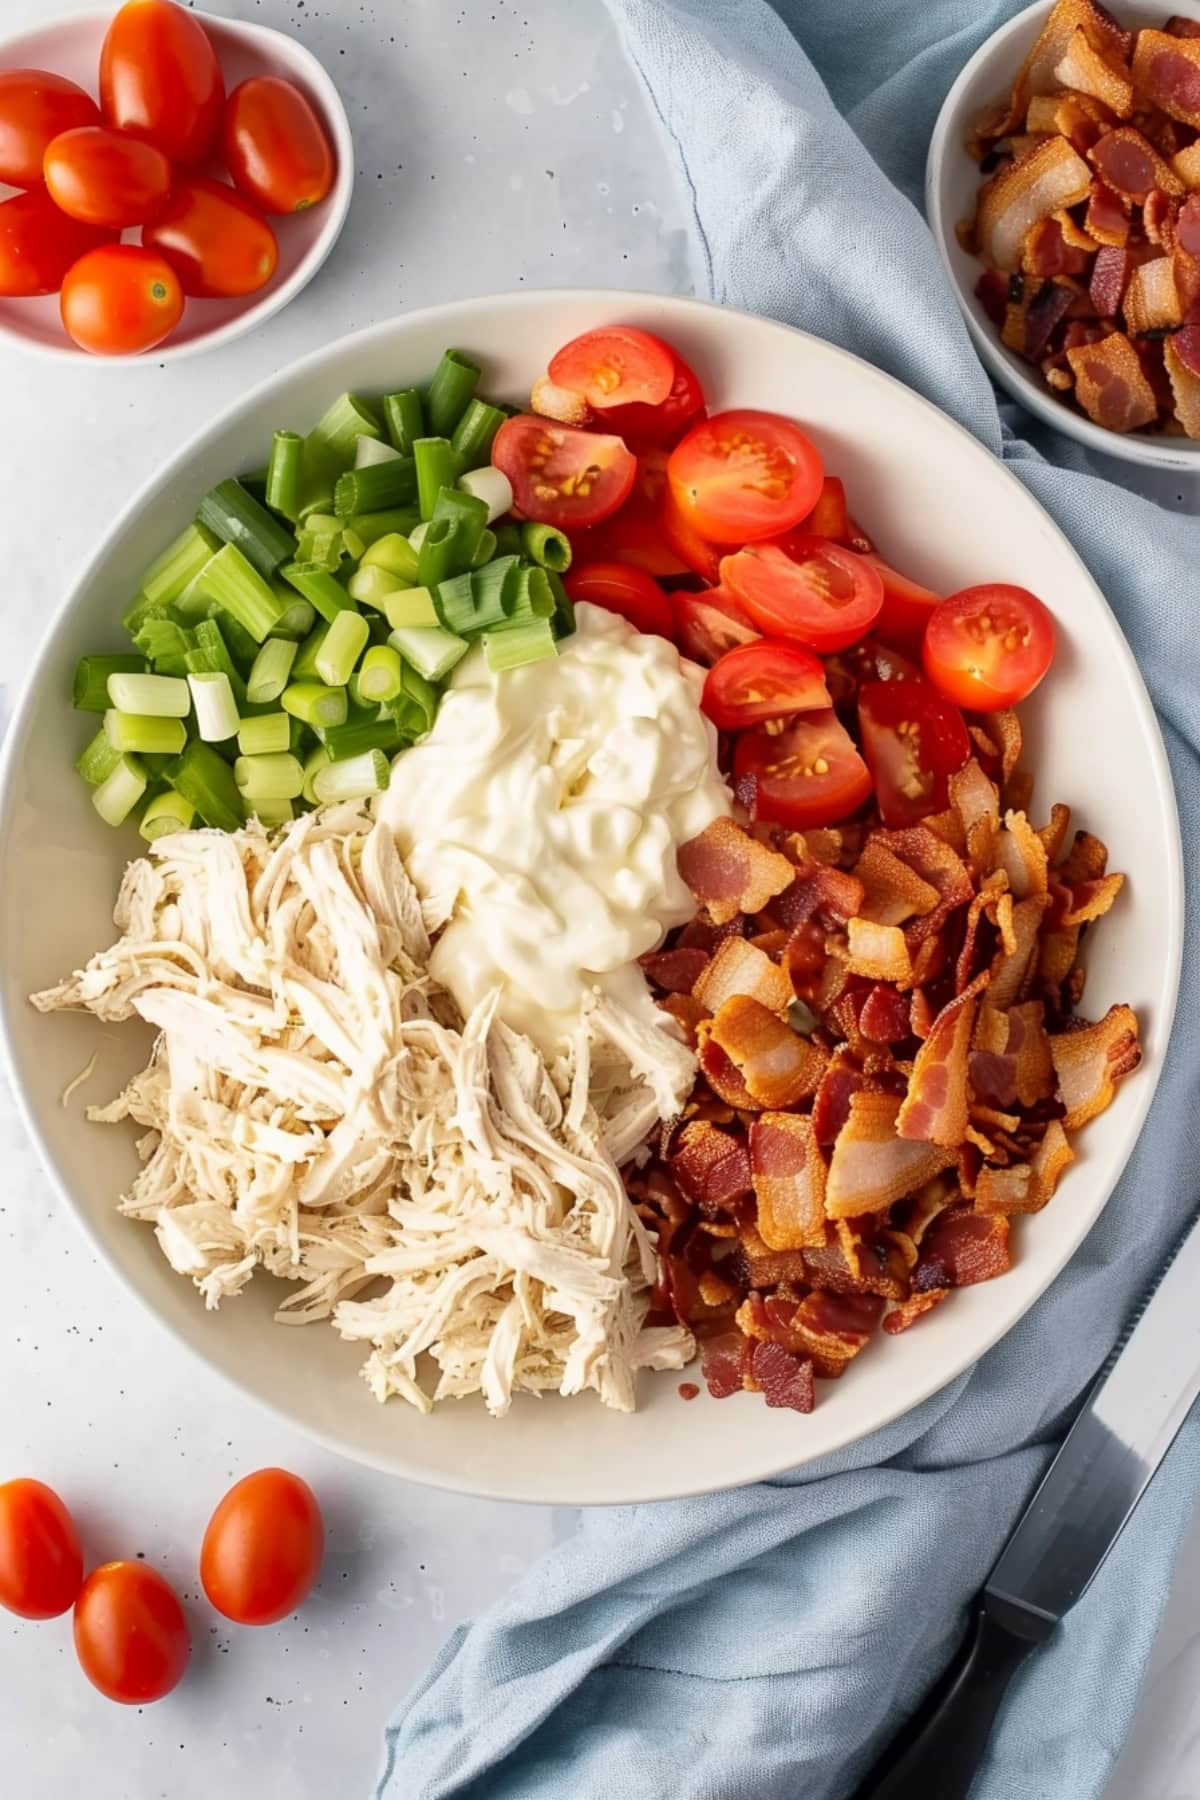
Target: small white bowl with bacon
x: 1063, y: 189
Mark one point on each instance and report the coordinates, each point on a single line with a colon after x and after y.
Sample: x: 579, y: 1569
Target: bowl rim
x: 1177, y: 454
x: 1003, y: 1319
x: 264, y: 38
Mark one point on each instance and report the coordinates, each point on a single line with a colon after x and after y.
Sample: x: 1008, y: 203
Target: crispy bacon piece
x: 1003, y: 1190
x: 973, y: 797
x: 1029, y: 1046
x: 831, y: 1103
x: 721, y: 1360
x: 1089, y: 1060
x: 1107, y: 217
x: 789, y: 1181
x: 1159, y: 215
x: 872, y: 1166
x: 778, y: 1066
x: 829, y: 1328
x: 1083, y: 68
x: 1152, y: 299
x: 1166, y: 71
x: 731, y: 872
x: 675, y: 971
x: 906, y: 1312
x: 1185, y: 379
x: 720, y: 1073
x: 754, y: 1266
x: 935, y: 1107
x: 1178, y: 26
x: 935, y: 862
x: 1048, y: 177
x: 1031, y: 322
x: 878, y: 952
x: 711, y: 1166
x: 892, y: 891
x: 688, y: 1014
x: 1037, y: 73
x: 1129, y: 164
x: 1049, y: 1161
x: 829, y: 895
x: 1111, y: 385
x: 1021, y: 853
x: 880, y: 1267
x: 1046, y: 252
x: 1085, y: 860
x: 782, y: 1378
x: 1110, y: 277
x: 1012, y: 967
x: 1054, y: 833
x: 740, y: 968
x: 885, y: 1017
x: 1091, y: 899
x: 1186, y: 164
x: 961, y: 1248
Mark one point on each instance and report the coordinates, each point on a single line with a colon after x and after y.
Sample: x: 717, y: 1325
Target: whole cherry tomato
x: 160, y: 79
x: 103, y: 178
x: 38, y: 243
x: 263, y: 1547
x: 131, y: 1637
x: 275, y: 146
x: 213, y: 239
x: 120, y: 299
x: 624, y: 588
x: 41, y: 1564
x: 36, y: 106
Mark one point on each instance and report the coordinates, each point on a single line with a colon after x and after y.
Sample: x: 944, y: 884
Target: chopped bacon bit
x: 1003, y: 1190
x: 1089, y: 1060
x: 1029, y: 1046
x: 975, y: 800
x: 935, y: 1107
x: 688, y: 1014
x: 1110, y: 277
x: 674, y: 970
x: 1129, y: 164
x: 1031, y: 322
x: 1049, y: 176
x: 732, y: 872
x: 1075, y: 235
x: 1011, y: 969
x: 1151, y: 299
x: 1159, y: 215
x: 935, y: 862
x: 886, y: 1015
x: 721, y: 1363
x: 711, y: 1166
x: 1057, y: 951
x: 879, y: 952
x: 820, y: 892
x: 892, y: 892
x: 1185, y: 381
x: 1178, y: 26
x: 991, y: 291
x: 1111, y: 385
x: 789, y: 1181
x: 1054, y: 834
x: 831, y: 1103
x: 757, y: 1267
x: 962, y: 1248
x: 1083, y: 68
x: 804, y: 961
x: 1021, y: 853
x: 1046, y: 253
x: 782, y: 1378
x: 1166, y: 69
x: 1107, y: 217
x: 720, y: 1073
x: 739, y: 968
x: 1186, y: 164
x: 921, y: 1015
x: 778, y: 1066
x: 1091, y: 899
x: 906, y: 1312
x: 1037, y: 72
x: 1051, y: 1158
x: 871, y: 1165
x: 688, y: 1390
x: 881, y: 1268
x: 1086, y: 860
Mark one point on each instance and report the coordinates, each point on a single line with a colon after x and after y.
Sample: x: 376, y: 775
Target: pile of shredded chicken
x: 314, y: 1106
x: 1090, y: 219
x: 890, y: 1069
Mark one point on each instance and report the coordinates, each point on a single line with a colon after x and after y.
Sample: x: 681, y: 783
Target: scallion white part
x: 353, y: 779
x: 156, y: 696
x: 216, y: 709
x: 493, y: 487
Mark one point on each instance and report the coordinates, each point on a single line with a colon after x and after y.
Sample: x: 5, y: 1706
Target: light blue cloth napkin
x: 765, y: 1642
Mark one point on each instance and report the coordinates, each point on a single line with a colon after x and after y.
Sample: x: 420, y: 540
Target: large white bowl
x: 1094, y: 741
x: 951, y: 186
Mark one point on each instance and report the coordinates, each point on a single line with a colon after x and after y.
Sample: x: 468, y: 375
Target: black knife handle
x: 937, y: 1754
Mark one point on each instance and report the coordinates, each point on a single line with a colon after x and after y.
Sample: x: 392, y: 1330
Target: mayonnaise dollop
x: 540, y: 818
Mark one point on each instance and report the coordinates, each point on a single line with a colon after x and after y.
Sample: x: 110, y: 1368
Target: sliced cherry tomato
x: 666, y: 423
x: 906, y: 611
x: 701, y: 557
x: 38, y: 243
x: 829, y: 518
x: 817, y: 592
x: 120, y: 299
x: 805, y: 773
x: 710, y: 624
x: 263, y: 1547
x: 763, y: 681
x: 635, y: 534
x: 561, y: 475
x: 103, y: 178
x: 744, y: 475
x: 847, y: 670
x: 213, y: 239
x: 624, y: 589
x: 41, y: 1564
x: 276, y: 146
x: 160, y: 79
x: 913, y: 740
x: 131, y: 1637
x: 989, y: 646
x: 35, y: 107
x: 615, y: 365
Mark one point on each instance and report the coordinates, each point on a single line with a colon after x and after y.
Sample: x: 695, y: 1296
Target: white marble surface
x: 500, y: 143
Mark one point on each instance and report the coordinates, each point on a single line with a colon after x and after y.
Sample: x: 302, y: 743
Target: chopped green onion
x: 376, y: 487
x: 353, y: 779
x: 139, y: 611
x: 404, y: 416
x: 532, y: 595
x: 268, y: 777
x: 165, y: 644
x: 296, y: 620
x: 493, y: 487
x: 255, y: 482
x: 368, y: 451
x: 546, y: 546
x: 437, y: 468
x: 393, y: 553
x: 508, y: 538
x: 89, y: 690
x: 418, y: 534
x: 472, y: 439
x: 381, y: 673
x: 320, y: 547
x: 242, y: 647
x: 117, y: 795
x: 144, y: 732
x: 164, y: 814
x: 437, y: 559
x: 421, y: 699
x: 267, y: 734
x: 203, y: 777
x: 98, y: 759
x: 485, y: 549
x: 285, y: 474
x: 410, y: 606
x: 564, y: 611
x: 317, y: 760
x: 339, y: 428
x: 178, y: 566
x: 369, y: 527
x: 273, y: 812
x: 514, y: 645
x: 342, y: 648
x: 469, y: 518
x: 371, y: 585
x: 305, y: 666
x: 431, y: 651
x: 216, y: 708
x: 240, y: 590
x: 209, y: 655
x: 319, y: 588
x: 352, y: 544
x: 238, y: 518
x: 159, y: 696
x: 495, y: 588
x: 358, y: 736
x: 454, y: 382
x: 315, y: 704
x: 272, y: 668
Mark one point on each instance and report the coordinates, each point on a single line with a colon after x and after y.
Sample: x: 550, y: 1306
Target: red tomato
x: 818, y: 592
x: 120, y: 299
x: 624, y: 589
x: 561, y: 475
x: 708, y: 625
x: 276, y: 146
x: 907, y: 608
x: 102, y: 178
x: 615, y: 365
x: 806, y: 774
x: 160, y: 79
x: 35, y: 106
x: 38, y: 244
x: 695, y: 552
x: 213, y: 239
x: 989, y: 646
x: 913, y: 739
x: 744, y: 475
x: 763, y: 681
x: 635, y: 534
x: 829, y: 518
x: 263, y: 1548
x: 665, y: 423
x: 41, y: 1564
x: 131, y: 1637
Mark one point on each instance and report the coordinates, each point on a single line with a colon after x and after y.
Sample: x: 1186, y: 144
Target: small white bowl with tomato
x: 168, y: 180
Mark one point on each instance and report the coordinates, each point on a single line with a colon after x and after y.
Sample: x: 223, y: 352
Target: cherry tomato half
x: 906, y: 610
x: 989, y: 646
x: 624, y: 589
x: 103, y: 178
x: 817, y: 592
x: 744, y: 475
x: 829, y: 517
x: 120, y: 299
x: 38, y: 243
x: 160, y: 79
x: 561, y: 475
x: 763, y: 681
x: 35, y: 106
x: 276, y: 147
x: 615, y: 365
x: 913, y: 740
x: 263, y: 1547
x: 213, y: 239
x: 710, y: 624
x: 41, y: 1564
x: 665, y: 423
x: 635, y: 534
x: 695, y: 552
x: 807, y: 773
x: 131, y: 1637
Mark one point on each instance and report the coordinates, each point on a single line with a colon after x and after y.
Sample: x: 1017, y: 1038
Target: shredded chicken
x: 315, y: 1106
